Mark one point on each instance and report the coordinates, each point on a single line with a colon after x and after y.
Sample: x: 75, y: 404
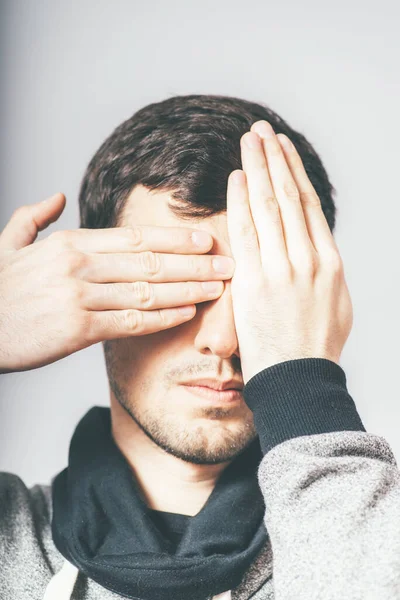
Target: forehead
x: 145, y: 207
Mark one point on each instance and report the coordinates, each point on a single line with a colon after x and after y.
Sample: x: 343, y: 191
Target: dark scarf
x: 102, y: 525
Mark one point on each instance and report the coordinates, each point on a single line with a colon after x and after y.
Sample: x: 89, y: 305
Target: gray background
x: 72, y: 71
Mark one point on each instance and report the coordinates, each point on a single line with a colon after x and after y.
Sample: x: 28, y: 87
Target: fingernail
x: 252, y: 140
x: 238, y: 177
x: 286, y: 143
x: 201, y: 238
x: 223, y: 264
x: 264, y: 129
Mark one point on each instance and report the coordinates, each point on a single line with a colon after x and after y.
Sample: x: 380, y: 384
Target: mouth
x: 229, y: 396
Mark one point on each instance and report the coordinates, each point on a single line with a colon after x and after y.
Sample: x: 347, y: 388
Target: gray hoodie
x: 332, y: 504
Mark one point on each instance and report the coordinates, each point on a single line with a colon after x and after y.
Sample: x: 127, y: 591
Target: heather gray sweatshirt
x: 331, y: 490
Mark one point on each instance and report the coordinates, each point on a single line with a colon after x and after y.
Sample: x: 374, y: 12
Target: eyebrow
x: 187, y: 211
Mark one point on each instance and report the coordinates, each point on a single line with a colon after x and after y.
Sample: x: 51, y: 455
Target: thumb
x: 27, y: 220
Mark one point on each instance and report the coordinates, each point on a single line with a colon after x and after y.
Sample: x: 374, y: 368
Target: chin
x: 215, y: 437
x: 209, y: 444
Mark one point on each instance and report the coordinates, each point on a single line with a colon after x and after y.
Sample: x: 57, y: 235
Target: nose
x: 216, y: 332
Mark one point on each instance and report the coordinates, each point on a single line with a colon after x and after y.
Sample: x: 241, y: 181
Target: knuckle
x: 92, y: 328
x: 143, y: 291
x: 76, y: 259
x: 74, y: 294
x: 334, y: 261
x: 162, y: 315
x: 88, y: 327
x: 246, y: 229
x: 78, y: 326
x: 272, y: 206
x: 290, y: 190
x: 309, y: 266
x: 135, y: 235
x: 196, y: 265
x: 191, y: 291
x: 248, y: 237
x: 271, y: 203
x: 72, y: 261
x: 150, y: 263
x: 310, y: 199
x: 133, y: 320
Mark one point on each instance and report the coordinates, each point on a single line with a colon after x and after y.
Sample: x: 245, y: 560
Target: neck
x: 167, y: 483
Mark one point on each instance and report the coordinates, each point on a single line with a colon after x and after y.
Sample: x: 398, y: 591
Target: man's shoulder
x: 18, y: 500
x: 28, y: 556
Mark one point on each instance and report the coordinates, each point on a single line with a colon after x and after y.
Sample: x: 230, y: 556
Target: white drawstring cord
x: 61, y: 585
x: 223, y: 596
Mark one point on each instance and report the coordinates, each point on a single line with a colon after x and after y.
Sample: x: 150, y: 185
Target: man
x: 232, y: 462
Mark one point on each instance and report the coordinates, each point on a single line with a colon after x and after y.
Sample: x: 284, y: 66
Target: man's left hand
x: 289, y: 294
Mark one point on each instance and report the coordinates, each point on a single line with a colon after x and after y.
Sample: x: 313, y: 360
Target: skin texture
x: 287, y: 299
x: 187, y: 443
x: 290, y: 297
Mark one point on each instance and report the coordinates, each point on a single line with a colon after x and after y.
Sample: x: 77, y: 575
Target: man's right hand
x: 79, y: 287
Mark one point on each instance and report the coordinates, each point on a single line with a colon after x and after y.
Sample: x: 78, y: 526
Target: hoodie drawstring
x: 61, y: 585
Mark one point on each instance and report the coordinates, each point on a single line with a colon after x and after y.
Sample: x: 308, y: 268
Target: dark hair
x: 186, y: 145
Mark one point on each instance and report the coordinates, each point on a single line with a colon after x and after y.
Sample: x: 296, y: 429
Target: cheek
x: 140, y: 351
x: 153, y: 353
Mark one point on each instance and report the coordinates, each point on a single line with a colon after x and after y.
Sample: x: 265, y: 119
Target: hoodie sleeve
x: 331, y: 489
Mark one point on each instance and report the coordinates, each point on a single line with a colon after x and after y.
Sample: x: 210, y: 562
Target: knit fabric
x: 101, y: 523
x: 332, y: 502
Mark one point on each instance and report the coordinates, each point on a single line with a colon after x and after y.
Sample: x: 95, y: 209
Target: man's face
x: 146, y: 372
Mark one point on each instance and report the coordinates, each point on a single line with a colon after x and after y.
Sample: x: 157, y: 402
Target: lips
x: 215, y: 384
x: 209, y: 394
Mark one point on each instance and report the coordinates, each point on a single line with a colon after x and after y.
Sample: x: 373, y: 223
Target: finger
x: 263, y: 204
x: 147, y: 296
x: 317, y: 225
x: 155, y: 267
x: 26, y: 222
x: 113, y: 324
x: 298, y: 243
x: 242, y: 232
x: 139, y: 238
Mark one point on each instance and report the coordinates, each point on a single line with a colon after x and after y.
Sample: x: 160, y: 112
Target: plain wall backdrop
x: 72, y: 71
